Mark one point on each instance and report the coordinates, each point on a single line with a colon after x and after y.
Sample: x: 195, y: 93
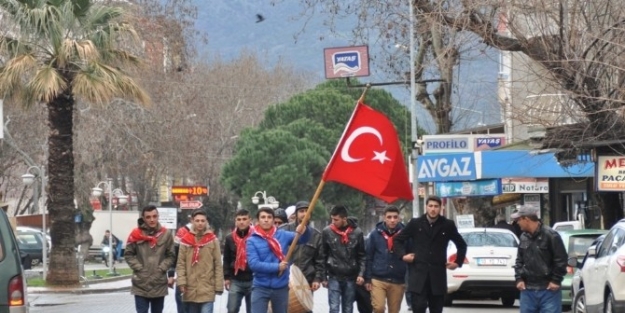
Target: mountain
x: 284, y: 34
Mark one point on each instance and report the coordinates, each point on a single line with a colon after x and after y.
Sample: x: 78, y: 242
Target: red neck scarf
x: 274, y: 245
x: 240, y: 262
x: 189, y: 240
x: 137, y: 235
x: 389, y: 238
x: 344, y: 234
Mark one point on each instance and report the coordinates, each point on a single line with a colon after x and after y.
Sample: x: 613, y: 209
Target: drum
x: 300, y: 295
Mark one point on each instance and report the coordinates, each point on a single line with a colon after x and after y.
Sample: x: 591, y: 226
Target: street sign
x: 190, y: 190
x: 168, y: 217
x: 190, y: 204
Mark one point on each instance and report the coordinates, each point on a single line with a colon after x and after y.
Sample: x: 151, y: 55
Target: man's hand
x: 183, y: 289
x: 315, y: 286
x: 521, y: 285
x: 360, y: 280
x: 227, y: 284
x: 451, y: 265
x: 283, y: 265
x: 368, y: 286
x: 553, y: 286
x: 408, y: 258
x: 170, y: 282
x: 324, y: 284
x: 300, y: 229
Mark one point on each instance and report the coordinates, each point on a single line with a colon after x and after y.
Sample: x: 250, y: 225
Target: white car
x: 576, y: 281
x: 488, y: 270
x: 602, y: 279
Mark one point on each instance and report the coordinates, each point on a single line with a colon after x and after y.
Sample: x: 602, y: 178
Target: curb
x: 84, y: 290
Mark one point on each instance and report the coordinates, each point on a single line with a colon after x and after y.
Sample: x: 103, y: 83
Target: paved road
x: 123, y: 303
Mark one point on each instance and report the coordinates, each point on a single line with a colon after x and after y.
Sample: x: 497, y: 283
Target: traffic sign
x: 190, y: 204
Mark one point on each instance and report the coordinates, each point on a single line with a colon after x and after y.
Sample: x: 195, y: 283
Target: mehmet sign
x: 610, y: 173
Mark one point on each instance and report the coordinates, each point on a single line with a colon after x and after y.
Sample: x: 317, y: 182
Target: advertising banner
x: 450, y: 167
x: 610, y: 173
x: 525, y: 185
x: 478, y: 188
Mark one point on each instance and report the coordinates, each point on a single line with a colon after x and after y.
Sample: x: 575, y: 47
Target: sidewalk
x: 104, y: 285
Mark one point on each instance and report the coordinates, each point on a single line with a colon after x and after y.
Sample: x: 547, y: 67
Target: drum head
x: 299, y: 286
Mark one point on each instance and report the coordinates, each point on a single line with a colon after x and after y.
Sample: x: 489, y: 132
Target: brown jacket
x: 149, y: 265
x: 204, y: 279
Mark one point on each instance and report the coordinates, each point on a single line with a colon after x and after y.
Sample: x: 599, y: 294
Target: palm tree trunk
x: 63, y: 268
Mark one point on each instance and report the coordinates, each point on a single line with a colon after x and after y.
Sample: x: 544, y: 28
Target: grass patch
x: 91, y: 276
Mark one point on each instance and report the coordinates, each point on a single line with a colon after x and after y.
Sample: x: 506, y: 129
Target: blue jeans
x: 238, y: 290
x: 142, y: 304
x: 205, y: 307
x: 341, y: 294
x: 261, y: 296
x: 180, y: 306
x: 541, y: 301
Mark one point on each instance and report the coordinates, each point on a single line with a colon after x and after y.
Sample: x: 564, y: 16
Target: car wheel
x: 579, y: 302
x: 35, y: 262
x: 508, y: 300
x: 609, y: 303
x: 448, y: 300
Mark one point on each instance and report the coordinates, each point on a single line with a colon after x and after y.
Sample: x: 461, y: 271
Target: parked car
x: 602, y: 281
x: 576, y: 243
x: 579, y: 306
x: 12, y: 280
x: 31, y: 242
x: 488, y: 270
x: 27, y: 228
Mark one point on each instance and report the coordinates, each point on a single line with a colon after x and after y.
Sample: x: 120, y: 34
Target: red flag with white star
x: 369, y: 157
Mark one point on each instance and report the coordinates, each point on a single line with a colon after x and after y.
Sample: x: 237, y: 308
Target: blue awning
x: 525, y: 163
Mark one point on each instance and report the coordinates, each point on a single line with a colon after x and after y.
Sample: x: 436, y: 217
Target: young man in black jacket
x: 343, y: 247
x: 237, y: 273
x: 428, y: 265
x: 540, y: 264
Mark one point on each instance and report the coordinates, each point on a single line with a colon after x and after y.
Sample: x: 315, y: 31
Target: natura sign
x: 452, y: 167
x: 610, y: 173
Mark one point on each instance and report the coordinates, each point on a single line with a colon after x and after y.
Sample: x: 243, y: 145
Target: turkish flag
x: 369, y: 157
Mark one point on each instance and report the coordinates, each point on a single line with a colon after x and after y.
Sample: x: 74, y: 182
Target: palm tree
x: 57, y: 52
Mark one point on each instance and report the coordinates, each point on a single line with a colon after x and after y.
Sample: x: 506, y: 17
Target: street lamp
x: 267, y: 200
x: 123, y: 199
x: 28, y: 179
x: 481, y: 113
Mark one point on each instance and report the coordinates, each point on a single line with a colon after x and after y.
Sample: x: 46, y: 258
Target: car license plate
x: 492, y: 262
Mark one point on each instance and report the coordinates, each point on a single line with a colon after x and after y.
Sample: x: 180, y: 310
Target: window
x: 578, y: 245
x: 617, y: 242
x: 487, y: 239
x: 606, y: 244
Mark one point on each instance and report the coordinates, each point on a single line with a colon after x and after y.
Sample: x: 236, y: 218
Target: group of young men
x: 338, y: 257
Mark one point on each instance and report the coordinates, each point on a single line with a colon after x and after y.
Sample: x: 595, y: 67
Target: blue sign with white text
x: 485, y: 187
x: 449, y: 167
x: 348, y: 61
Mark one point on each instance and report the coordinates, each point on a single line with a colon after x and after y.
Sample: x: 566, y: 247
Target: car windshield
x: 578, y: 245
x: 490, y: 239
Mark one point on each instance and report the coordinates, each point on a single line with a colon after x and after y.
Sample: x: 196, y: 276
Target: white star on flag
x: 380, y: 156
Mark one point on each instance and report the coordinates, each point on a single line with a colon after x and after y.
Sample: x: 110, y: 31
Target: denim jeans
x: 180, y: 306
x: 142, y: 304
x: 261, y: 296
x: 541, y: 301
x: 238, y: 290
x: 204, y: 307
x: 341, y: 294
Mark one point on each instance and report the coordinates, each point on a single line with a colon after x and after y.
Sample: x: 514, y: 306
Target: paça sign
x: 610, y: 174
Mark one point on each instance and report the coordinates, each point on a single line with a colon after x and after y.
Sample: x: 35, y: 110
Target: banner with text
x: 478, y: 188
x: 525, y: 185
x: 610, y: 173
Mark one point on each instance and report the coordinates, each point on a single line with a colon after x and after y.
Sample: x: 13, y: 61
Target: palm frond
x: 80, y: 51
x: 15, y: 69
x: 13, y: 46
x: 47, y: 84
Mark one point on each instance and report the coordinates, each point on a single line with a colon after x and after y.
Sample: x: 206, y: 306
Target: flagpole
x: 313, y: 202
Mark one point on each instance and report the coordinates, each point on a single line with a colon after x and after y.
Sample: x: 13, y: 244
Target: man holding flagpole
x: 266, y: 250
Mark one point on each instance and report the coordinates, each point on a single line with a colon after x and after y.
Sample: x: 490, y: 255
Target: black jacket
x: 230, y: 255
x: 383, y: 264
x: 429, y: 244
x: 504, y: 225
x: 541, y: 259
x: 344, y: 261
x: 308, y: 257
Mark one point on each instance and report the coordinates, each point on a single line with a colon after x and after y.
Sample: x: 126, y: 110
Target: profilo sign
x: 439, y: 144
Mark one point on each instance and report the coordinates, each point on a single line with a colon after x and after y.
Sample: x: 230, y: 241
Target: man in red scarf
x: 199, y: 267
x: 266, y: 250
x: 386, y: 271
x: 237, y: 273
x: 343, y: 247
x: 149, y: 253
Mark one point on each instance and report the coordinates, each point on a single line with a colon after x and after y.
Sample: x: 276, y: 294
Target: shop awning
x: 523, y: 163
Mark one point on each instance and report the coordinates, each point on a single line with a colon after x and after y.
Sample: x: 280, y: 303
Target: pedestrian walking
x: 149, y: 253
x: 430, y: 235
x: 171, y: 273
x: 116, y: 247
x: 501, y: 223
x: 266, y: 251
x: 199, y: 268
x: 540, y: 264
x: 237, y: 273
x: 308, y: 258
x: 386, y: 271
x: 344, y: 258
